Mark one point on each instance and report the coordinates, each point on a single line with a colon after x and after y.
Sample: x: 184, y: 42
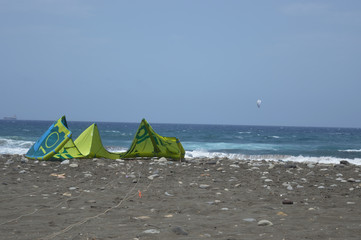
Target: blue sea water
x: 303, y: 144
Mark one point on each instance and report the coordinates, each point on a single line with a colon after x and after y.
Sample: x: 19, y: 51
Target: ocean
x: 298, y: 144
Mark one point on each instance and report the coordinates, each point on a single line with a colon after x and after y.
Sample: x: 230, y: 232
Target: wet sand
x: 195, y: 199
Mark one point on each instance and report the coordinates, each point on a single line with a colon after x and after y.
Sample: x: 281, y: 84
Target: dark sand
x: 198, y: 199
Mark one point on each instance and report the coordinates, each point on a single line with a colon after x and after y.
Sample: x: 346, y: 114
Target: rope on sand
x: 36, y: 210
x: 15, y: 219
x: 127, y: 196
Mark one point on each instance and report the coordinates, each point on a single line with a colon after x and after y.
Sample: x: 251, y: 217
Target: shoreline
x: 194, y: 199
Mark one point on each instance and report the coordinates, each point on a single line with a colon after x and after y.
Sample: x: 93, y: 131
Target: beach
x: 198, y: 198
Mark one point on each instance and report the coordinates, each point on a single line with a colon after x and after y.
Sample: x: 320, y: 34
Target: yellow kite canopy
x: 87, y: 145
x: 57, y: 143
x: 147, y: 143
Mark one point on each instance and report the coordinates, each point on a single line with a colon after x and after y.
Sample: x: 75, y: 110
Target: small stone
x: 22, y: 171
x: 72, y: 188
x: 310, y: 165
x: 204, y: 186
x: 142, y: 217
x: 249, y: 219
x: 8, y: 162
x: 289, y: 187
x: 351, y: 180
x: 162, y: 159
x: 73, y: 165
x: 212, y: 162
x: 179, y: 231
x: 65, y: 162
x: 286, y: 201
x: 268, y: 180
x: 344, y: 162
x: 152, y: 231
x: 350, y: 203
x: 151, y: 177
x: 234, y: 165
x: 264, y: 223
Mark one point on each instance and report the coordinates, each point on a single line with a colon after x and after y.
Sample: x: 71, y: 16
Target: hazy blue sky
x: 182, y: 61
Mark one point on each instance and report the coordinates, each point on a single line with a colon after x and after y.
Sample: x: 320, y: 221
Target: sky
x: 203, y: 62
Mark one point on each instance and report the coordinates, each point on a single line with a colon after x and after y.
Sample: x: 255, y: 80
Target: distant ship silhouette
x: 10, y: 118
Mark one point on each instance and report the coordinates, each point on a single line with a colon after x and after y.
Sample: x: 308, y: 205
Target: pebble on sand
x: 65, y: 162
x: 179, y: 231
x: 151, y: 177
x: 287, y: 201
x: 264, y: 223
x: 204, y: 186
x: 152, y: 231
x: 249, y: 219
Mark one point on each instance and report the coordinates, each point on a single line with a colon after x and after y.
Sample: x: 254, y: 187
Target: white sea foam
x: 116, y: 149
x: 285, y: 158
x: 350, y: 150
x: 232, y: 156
x: 229, y: 146
x: 112, y: 131
x: 10, y: 146
x: 323, y: 160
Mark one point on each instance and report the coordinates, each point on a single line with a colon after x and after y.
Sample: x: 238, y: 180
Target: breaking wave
x: 270, y: 157
x: 11, y: 146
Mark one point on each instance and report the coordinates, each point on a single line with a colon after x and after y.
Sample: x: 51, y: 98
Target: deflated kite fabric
x: 147, y: 143
x: 56, y: 143
x: 51, y: 142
